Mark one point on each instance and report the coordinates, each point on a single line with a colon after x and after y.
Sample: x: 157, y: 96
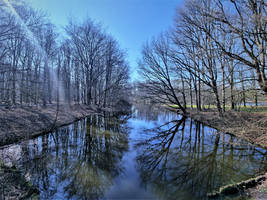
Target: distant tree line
x: 40, y: 66
x: 215, y: 53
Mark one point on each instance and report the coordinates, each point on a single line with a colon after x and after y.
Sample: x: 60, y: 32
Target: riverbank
x: 259, y: 192
x: 24, y: 122
x: 252, y: 188
x: 247, y: 125
x: 250, y: 126
x: 14, y: 185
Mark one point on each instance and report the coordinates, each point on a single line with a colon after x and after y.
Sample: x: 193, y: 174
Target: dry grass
x: 25, y: 122
x: 248, y: 125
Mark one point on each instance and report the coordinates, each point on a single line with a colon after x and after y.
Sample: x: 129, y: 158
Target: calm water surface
x: 150, y: 154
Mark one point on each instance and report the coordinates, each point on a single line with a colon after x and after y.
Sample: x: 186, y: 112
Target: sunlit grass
x: 261, y: 109
x: 258, y: 109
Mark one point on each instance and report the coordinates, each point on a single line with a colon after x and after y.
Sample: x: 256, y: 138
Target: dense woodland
x: 215, y: 54
x: 40, y: 65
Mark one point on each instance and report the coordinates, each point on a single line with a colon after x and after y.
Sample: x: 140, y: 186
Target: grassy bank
x: 20, y: 123
x: 258, y: 109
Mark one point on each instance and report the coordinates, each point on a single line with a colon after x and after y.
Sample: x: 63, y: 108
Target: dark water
x: 150, y: 154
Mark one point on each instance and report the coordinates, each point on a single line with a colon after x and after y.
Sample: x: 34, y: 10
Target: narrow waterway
x: 150, y: 154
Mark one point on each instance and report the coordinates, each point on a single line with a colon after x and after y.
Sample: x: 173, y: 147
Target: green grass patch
x: 258, y: 109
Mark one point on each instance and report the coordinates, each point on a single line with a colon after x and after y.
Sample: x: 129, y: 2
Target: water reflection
x: 78, y: 161
x: 153, y: 154
x: 186, y: 160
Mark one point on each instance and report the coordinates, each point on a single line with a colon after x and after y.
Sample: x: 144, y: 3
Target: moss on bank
x: 13, y: 185
x: 231, y: 189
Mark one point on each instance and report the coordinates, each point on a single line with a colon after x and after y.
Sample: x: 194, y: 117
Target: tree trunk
x: 223, y: 87
x: 44, y: 93
x: 218, y: 104
x: 191, y: 93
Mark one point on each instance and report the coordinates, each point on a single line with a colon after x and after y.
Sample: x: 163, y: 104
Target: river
x: 149, y: 154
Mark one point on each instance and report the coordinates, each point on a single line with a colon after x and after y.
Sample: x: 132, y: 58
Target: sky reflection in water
x: 152, y: 154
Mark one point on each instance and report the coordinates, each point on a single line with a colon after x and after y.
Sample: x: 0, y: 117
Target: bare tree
x: 159, y: 73
x: 247, y: 22
x: 35, y: 67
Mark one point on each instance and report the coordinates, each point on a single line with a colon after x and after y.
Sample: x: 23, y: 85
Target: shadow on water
x: 152, y: 154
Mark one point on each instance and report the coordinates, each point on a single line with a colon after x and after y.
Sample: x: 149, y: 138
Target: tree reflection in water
x: 185, y: 160
x: 108, y: 157
x: 80, y: 160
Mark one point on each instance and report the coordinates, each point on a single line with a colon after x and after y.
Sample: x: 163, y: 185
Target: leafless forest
x: 80, y: 120
x: 40, y: 66
x: 214, y: 54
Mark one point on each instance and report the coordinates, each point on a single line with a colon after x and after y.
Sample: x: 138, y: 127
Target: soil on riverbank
x: 249, y: 126
x: 259, y: 192
x: 19, y: 123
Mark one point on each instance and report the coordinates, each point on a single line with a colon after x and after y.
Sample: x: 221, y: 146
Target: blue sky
x: 131, y: 22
